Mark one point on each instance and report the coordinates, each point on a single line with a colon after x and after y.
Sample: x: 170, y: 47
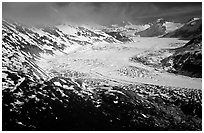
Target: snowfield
x: 112, y: 62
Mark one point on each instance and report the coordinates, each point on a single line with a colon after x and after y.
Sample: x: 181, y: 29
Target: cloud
x: 100, y: 13
x: 30, y: 12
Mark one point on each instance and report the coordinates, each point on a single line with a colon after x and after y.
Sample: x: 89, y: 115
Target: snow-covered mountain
x: 125, y: 28
x: 32, y: 100
x: 22, y: 45
x: 159, y: 27
x: 189, y: 30
x: 63, y: 33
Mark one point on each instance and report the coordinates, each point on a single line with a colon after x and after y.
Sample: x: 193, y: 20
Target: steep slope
x: 186, y: 60
x: 189, y: 30
x: 119, y: 36
x: 18, y: 54
x: 125, y: 29
x: 51, y: 39
x: 155, y: 29
x: 171, y: 26
x: 23, y: 45
x: 159, y: 27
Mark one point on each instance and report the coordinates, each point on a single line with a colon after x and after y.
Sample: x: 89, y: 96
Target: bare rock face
x: 156, y: 29
x: 188, y: 31
x: 186, y: 60
x: 119, y: 36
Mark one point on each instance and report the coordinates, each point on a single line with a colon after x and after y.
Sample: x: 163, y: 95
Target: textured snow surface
x: 106, y: 60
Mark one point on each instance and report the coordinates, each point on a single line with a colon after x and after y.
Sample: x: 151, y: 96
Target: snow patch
x: 57, y: 83
x: 171, y: 26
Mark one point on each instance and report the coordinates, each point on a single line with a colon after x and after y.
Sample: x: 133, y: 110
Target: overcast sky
x: 101, y: 13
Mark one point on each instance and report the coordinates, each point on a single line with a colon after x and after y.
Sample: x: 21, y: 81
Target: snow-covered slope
x: 55, y: 38
x: 189, y: 30
x: 125, y: 28
x: 23, y: 45
x: 171, y: 26
x: 158, y: 27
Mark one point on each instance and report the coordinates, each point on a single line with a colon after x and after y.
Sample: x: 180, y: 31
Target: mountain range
x: 189, y: 30
x: 34, y: 100
x: 159, y: 27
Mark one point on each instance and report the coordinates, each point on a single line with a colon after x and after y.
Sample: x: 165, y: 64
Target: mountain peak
x: 160, y: 21
x: 192, y: 20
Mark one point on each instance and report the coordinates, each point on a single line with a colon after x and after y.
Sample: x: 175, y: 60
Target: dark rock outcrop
x: 155, y: 29
x: 64, y: 104
x: 186, y: 60
x: 119, y: 36
x: 188, y: 31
